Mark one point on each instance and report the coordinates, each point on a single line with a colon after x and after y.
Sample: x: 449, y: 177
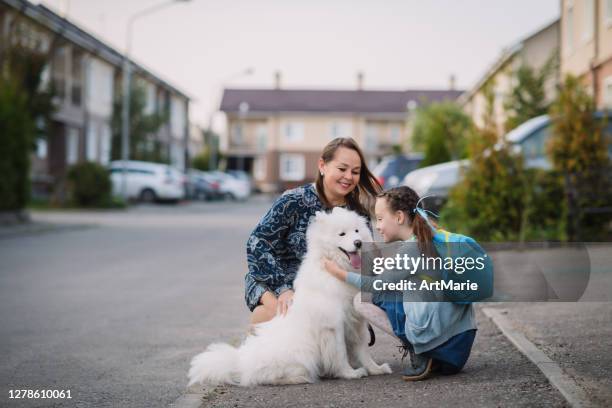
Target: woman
x: 277, y: 244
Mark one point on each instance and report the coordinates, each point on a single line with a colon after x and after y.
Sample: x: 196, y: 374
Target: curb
x: 573, y: 394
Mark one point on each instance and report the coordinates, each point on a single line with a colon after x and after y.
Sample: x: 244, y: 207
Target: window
x: 609, y: 13
x: 340, y: 129
x: 77, y: 78
x: 91, y: 145
x: 292, y: 167
x: 41, y: 148
x: 371, y: 138
x: 177, y: 117
x: 58, y: 72
x: 150, y: 98
x: 105, y: 144
x: 72, y: 146
x: 607, y: 94
x: 261, y: 134
x: 395, y: 134
x: 293, y: 131
x: 569, y: 29
x: 237, y: 133
x: 534, y: 146
x: 259, y: 170
x: 589, y: 20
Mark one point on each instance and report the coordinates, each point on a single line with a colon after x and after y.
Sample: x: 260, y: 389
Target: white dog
x: 320, y: 336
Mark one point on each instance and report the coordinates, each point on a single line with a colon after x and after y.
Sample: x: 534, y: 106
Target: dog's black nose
x: 357, y: 244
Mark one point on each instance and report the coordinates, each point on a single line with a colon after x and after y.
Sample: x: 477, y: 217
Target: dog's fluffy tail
x: 217, y: 365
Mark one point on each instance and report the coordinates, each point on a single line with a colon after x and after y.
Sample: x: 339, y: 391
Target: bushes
x: 89, y: 185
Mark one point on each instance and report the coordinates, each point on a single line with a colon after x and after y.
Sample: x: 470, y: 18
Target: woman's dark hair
x: 361, y: 199
x: 405, y: 199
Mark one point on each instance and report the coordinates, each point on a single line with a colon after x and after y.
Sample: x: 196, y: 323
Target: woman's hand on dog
x: 283, y: 302
x: 333, y: 268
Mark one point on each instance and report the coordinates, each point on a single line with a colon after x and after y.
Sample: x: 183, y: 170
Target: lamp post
x: 126, y: 85
x: 214, y: 143
x: 243, y: 108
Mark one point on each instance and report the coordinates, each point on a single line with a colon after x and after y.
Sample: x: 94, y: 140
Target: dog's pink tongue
x: 355, y: 260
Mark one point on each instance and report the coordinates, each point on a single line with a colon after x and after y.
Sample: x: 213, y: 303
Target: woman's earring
x: 321, y: 174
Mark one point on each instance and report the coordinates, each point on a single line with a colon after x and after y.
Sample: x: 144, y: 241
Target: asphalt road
x: 112, y: 306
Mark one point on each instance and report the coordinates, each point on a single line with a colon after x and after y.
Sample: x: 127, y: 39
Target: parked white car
x: 148, y: 182
x: 232, y: 187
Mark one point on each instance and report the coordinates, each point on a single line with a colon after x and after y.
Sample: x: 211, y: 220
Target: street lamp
x: 213, y: 142
x: 243, y: 108
x: 127, y: 72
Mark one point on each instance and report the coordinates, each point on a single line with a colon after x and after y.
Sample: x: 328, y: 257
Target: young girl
x: 438, y: 335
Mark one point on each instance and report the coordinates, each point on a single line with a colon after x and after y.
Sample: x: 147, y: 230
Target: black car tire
x: 147, y: 195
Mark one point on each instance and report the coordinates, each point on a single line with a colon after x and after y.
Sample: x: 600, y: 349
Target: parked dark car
x: 392, y: 169
x: 202, y: 188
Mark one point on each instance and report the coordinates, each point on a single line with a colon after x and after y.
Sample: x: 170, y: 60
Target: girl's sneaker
x: 420, y: 367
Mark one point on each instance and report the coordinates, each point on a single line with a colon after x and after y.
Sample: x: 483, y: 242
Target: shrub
x: 578, y: 151
x: 89, y: 185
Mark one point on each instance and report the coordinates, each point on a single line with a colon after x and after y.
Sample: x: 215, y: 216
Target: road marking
x: 573, y: 394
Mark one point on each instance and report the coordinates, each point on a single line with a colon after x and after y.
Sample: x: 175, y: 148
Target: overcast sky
x: 199, y: 44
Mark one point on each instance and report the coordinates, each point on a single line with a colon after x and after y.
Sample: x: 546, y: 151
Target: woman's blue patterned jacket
x: 277, y: 245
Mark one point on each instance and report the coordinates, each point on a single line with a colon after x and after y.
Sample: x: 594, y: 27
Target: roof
x: 343, y: 101
x: 73, y: 33
x: 505, y: 57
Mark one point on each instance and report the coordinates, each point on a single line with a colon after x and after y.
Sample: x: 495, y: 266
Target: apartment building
x: 278, y: 134
x: 534, y: 51
x: 586, y: 46
x: 86, y: 74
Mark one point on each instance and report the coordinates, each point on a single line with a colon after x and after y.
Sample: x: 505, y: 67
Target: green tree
x: 489, y: 201
x: 201, y: 161
x: 441, y: 131
x: 528, y: 97
x: 578, y: 150
x: 17, y: 131
x: 142, y: 128
x: 25, y: 109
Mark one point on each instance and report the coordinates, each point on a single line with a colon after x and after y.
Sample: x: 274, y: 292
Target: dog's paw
x: 353, y: 374
x: 381, y: 369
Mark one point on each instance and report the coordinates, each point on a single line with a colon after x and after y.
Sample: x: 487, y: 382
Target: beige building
x: 534, y: 50
x: 586, y: 45
x: 277, y: 134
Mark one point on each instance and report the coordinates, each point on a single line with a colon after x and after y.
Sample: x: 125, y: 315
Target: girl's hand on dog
x: 333, y: 268
x: 285, y: 300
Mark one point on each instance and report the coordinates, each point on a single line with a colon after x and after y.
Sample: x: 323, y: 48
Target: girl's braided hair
x: 406, y: 199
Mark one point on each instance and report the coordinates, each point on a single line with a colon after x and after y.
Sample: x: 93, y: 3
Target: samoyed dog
x: 320, y: 336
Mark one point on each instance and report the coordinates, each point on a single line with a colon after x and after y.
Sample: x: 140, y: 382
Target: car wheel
x: 229, y: 196
x: 148, y: 196
x: 202, y: 196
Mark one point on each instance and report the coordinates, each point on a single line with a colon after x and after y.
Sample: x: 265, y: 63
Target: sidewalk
x: 576, y: 336
x: 36, y: 227
x: 496, y: 375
